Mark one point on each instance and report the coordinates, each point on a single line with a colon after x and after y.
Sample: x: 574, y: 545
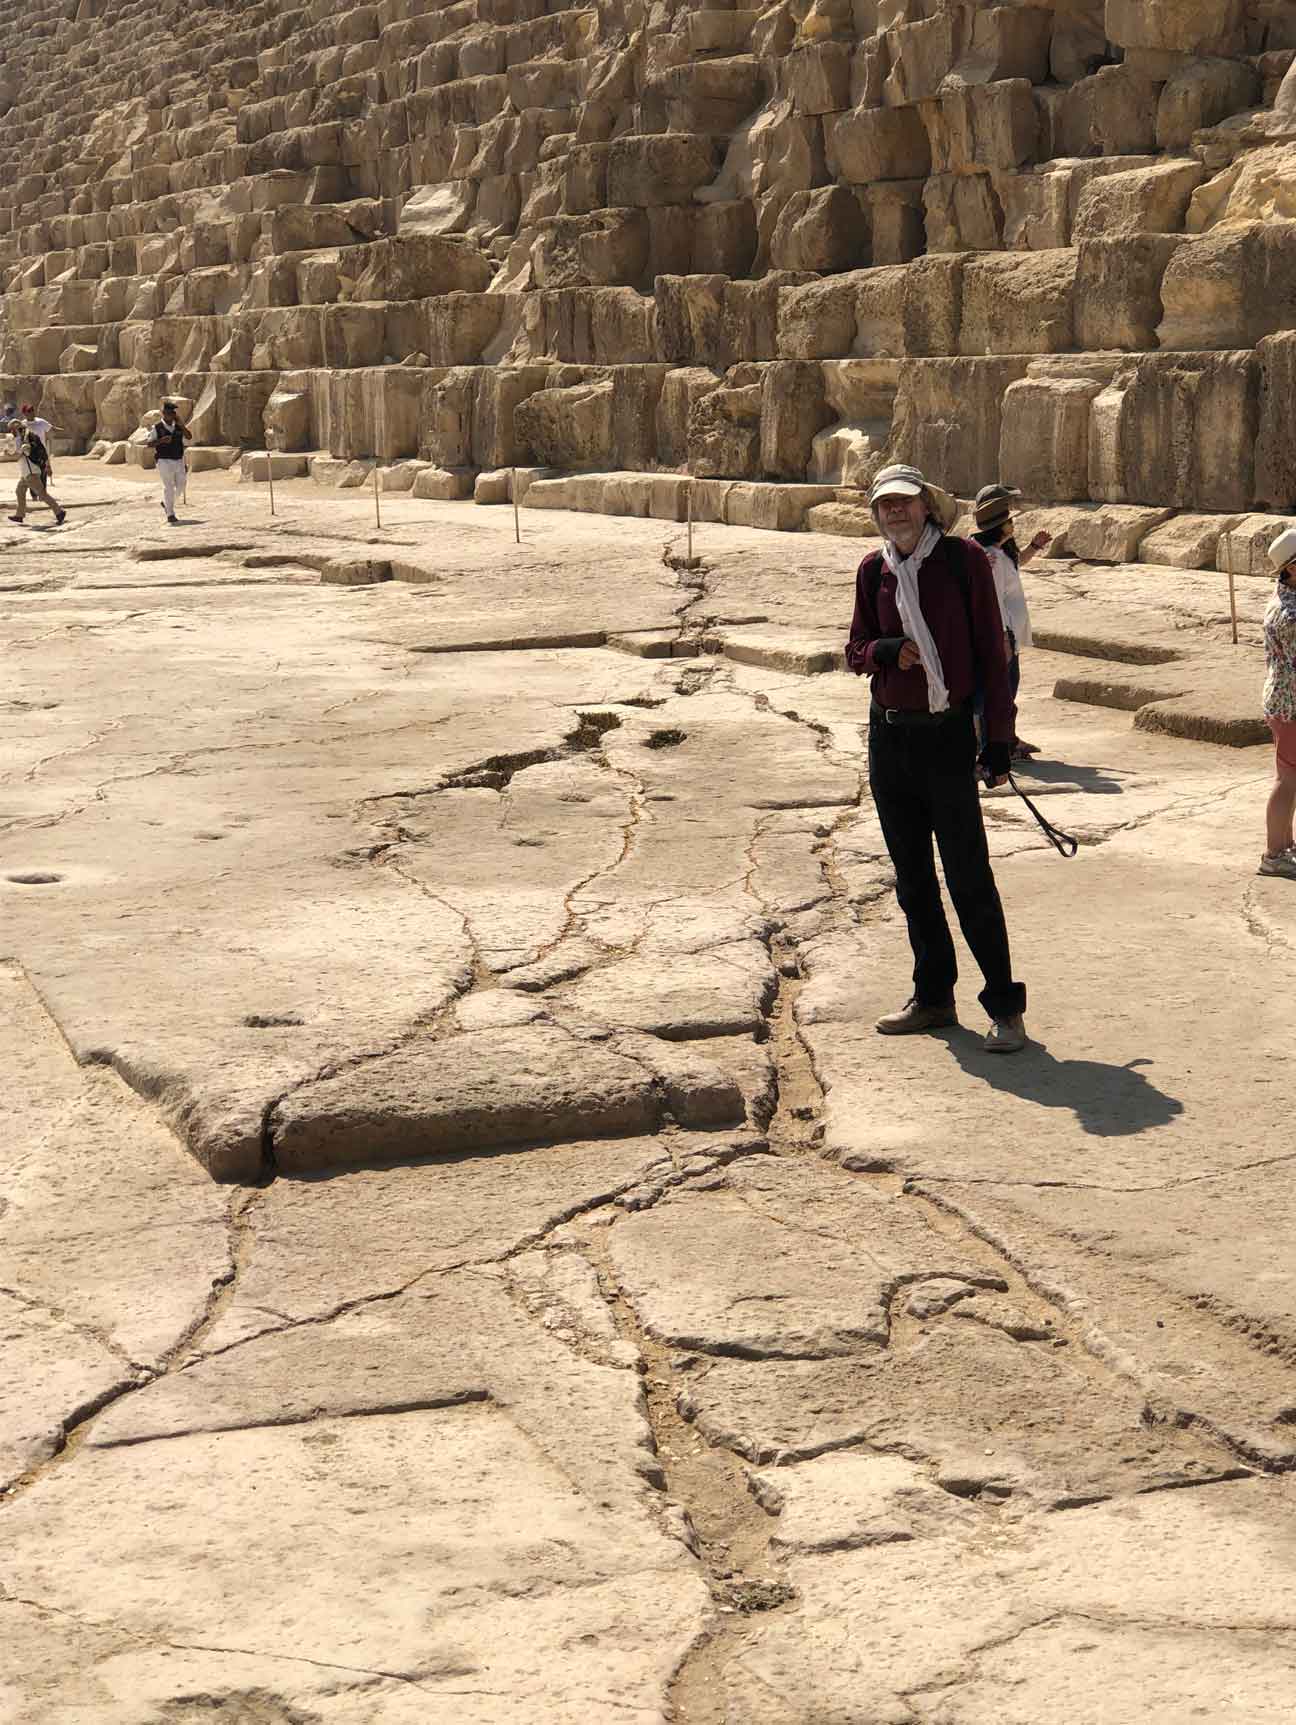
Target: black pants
x: 923, y: 780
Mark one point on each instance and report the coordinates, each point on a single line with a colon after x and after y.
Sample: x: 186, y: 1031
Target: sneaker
x: 60, y: 516
x: 1006, y: 1036
x: 20, y: 519
x: 173, y: 521
x: 1284, y: 863
x: 914, y: 1018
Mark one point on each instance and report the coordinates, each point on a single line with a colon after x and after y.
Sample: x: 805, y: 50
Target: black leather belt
x: 909, y: 718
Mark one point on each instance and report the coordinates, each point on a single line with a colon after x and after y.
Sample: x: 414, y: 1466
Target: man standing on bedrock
x: 928, y: 632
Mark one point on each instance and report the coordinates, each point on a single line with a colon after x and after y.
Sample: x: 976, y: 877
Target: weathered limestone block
x: 240, y: 405
x: 590, y: 326
x: 962, y: 213
x: 922, y: 53
x: 894, y: 210
x: 818, y: 77
x: 1180, y: 26
x: 793, y: 408
x: 608, y: 248
x: 880, y: 302
x: 724, y: 429
x: 868, y: 144
x: 1230, y: 288
x: 724, y: 238
x: 1180, y: 429
x: 445, y: 208
x: 690, y: 319
x: 495, y: 441
x: 1014, y: 304
x: 848, y: 454
x: 287, y: 417
x: 1118, y: 290
x: 817, y: 321
x: 463, y: 328
x: 1275, y: 481
x: 1202, y: 94
x: 1260, y: 186
x: 258, y: 467
x: 636, y: 392
x: 353, y: 335
x: 680, y: 389
x: 776, y: 508
x: 1247, y: 544
x: 447, y: 417
x: 862, y: 390
x: 568, y: 428
x: 663, y: 169
x: 982, y: 126
x: 707, y: 96
x: 1145, y: 201
x: 821, y: 230
x: 1044, y: 444
x: 933, y: 305
x: 1113, y: 534
x: 417, y: 265
x: 949, y: 418
x: 1112, y: 113
x: 1186, y: 541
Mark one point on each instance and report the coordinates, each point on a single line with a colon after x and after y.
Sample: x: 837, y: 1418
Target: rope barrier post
x: 689, y: 494
x: 1228, y: 560
x: 270, y: 467
x: 377, y: 509
x: 513, y: 493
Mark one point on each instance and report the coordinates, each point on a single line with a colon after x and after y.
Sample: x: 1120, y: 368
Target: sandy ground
x: 464, y: 1251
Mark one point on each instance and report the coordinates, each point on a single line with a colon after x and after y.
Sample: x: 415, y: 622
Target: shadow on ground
x: 1107, y: 1101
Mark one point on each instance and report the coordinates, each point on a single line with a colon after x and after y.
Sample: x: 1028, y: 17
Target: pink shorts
x: 1284, y: 736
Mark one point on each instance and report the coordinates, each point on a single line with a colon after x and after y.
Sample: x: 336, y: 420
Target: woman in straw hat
x: 1280, y: 709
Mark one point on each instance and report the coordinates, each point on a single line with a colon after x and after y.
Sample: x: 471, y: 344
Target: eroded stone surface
x: 700, y: 1420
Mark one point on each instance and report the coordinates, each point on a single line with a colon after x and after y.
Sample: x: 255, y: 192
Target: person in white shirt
x: 44, y: 430
x: 994, y: 534
x: 33, y: 473
x: 168, y: 437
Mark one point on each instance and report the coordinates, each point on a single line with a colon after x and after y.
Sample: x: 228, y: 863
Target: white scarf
x: 905, y: 570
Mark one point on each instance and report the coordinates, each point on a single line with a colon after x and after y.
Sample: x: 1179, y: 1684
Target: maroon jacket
x: 966, y: 627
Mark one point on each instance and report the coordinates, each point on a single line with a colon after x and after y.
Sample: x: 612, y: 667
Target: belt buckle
x: 890, y: 713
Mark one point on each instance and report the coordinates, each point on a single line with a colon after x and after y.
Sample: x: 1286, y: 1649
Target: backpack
x: 37, y: 452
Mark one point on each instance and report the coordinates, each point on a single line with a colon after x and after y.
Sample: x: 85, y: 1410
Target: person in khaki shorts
x: 33, y: 463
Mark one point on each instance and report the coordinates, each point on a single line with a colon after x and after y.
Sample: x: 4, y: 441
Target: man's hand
x: 909, y: 656
x: 994, y: 784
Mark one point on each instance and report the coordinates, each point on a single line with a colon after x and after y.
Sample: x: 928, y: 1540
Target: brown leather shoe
x: 912, y: 1019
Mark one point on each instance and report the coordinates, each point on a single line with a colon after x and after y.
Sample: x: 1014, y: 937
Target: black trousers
x: 924, y: 785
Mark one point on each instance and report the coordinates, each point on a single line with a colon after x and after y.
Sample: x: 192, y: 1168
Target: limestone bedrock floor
x: 465, y: 1252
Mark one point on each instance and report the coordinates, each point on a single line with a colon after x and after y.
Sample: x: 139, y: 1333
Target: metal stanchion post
x: 517, y: 523
x: 1228, y: 560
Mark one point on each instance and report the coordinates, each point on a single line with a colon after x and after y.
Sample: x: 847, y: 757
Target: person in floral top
x: 1280, y: 708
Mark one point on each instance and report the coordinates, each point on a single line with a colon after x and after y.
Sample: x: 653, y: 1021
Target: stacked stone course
x: 1053, y: 240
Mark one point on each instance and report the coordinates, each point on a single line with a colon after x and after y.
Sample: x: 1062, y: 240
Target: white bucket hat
x: 903, y: 481
x: 1283, y: 550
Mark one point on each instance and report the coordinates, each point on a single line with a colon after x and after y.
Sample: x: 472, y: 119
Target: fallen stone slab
x: 476, y: 1092
x: 806, y: 657
x: 355, y: 571
x: 177, y: 549
x: 257, y: 467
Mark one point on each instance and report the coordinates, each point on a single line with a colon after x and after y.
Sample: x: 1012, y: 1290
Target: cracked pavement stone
x: 364, y: 1445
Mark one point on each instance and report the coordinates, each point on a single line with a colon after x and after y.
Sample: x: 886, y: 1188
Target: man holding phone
x: 168, y: 438
x: 927, y: 631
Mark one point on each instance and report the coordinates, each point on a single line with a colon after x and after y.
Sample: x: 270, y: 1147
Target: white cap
x: 1283, y: 550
